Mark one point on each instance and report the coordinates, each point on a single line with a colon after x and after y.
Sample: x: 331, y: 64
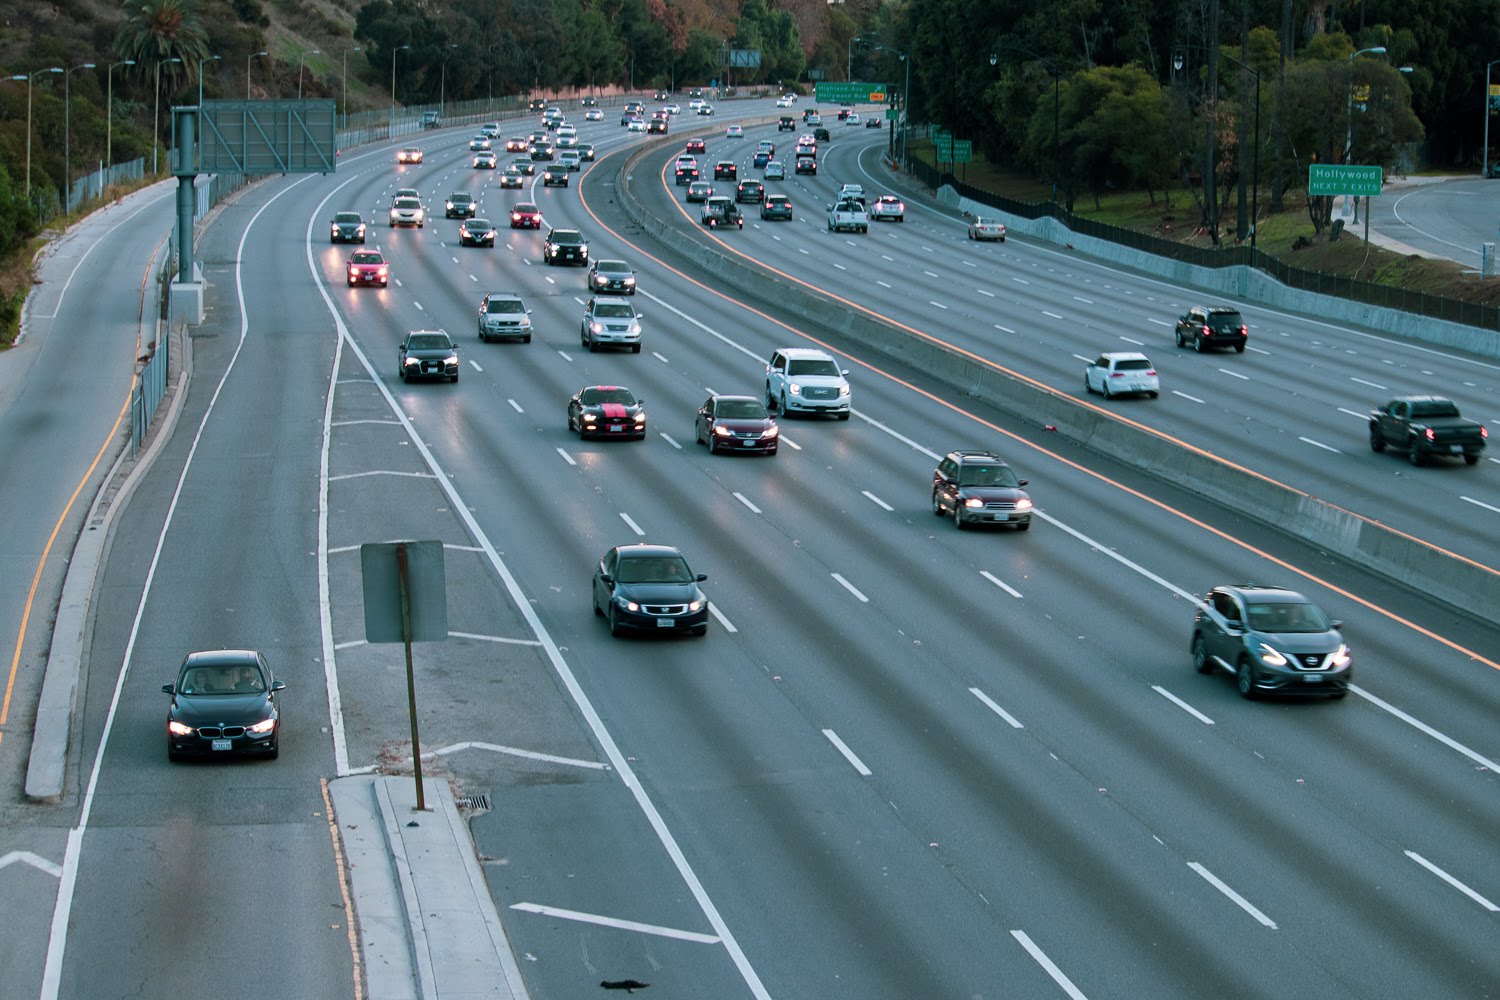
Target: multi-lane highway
x: 905, y: 762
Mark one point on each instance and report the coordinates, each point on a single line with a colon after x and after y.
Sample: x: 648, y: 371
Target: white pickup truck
x: 850, y: 214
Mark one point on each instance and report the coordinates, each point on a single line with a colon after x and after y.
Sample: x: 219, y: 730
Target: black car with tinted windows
x: 977, y: 487
x: 427, y: 354
x: 347, y: 227
x: 1204, y: 328
x: 749, y: 190
x: 476, y: 233
x: 612, y: 276
x: 223, y: 704
x: 649, y: 588
x: 1272, y: 640
x: 565, y: 246
x: 776, y: 206
x: 460, y: 205
x: 609, y: 411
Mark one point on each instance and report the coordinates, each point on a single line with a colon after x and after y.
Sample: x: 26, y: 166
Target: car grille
x: 502, y: 324
x: 1313, y: 661
x: 820, y: 392
x: 999, y: 505
x: 752, y: 435
x: 664, y: 609
x: 221, y: 732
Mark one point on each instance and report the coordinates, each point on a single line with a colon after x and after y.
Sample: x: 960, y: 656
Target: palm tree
x: 157, y: 30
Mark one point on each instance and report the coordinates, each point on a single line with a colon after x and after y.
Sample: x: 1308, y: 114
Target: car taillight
x: 1207, y: 332
x: 1430, y: 434
x: 1244, y: 330
x: 1484, y: 432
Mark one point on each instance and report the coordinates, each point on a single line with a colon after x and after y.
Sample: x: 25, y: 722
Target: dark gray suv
x: 1273, y: 640
x: 977, y: 487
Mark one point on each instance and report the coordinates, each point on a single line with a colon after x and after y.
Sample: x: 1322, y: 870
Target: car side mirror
x: 278, y: 686
x: 843, y: 371
x: 169, y: 689
x: 701, y: 577
x: 1023, y: 482
x: 1335, y: 623
x: 606, y: 579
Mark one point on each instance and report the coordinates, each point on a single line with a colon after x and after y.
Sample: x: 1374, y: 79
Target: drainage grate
x: 473, y: 802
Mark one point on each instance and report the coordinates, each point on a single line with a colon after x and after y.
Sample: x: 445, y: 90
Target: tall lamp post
x: 68, y: 134
x: 1255, y: 170
x: 905, y: 103
x: 109, y: 111
x: 1349, y: 133
x: 28, y: 79
x: 248, y: 60
x: 301, y: 61
x: 156, y: 113
x: 201, y: 64
x: 849, y: 57
x: 1056, y: 105
x: 393, y: 85
x: 1484, y: 170
x: 443, y: 83
x: 344, y: 75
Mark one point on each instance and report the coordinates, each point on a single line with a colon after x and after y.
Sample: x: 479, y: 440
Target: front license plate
x: 1000, y: 517
x: 1311, y: 679
x: 616, y: 428
x: 220, y: 745
x: 749, y: 444
x: 665, y: 623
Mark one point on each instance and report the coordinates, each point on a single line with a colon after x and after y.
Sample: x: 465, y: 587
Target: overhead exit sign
x: 850, y: 93
x: 1325, y: 179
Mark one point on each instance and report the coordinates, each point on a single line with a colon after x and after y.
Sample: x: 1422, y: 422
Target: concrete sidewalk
x: 428, y: 927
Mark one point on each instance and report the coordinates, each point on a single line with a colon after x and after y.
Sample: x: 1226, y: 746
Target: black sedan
x: 427, y: 354
x: 347, y: 227
x: 611, y: 276
x: 607, y: 411
x: 223, y: 703
x: 476, y: 233
x: 651, y: 588
x: 736, y: 423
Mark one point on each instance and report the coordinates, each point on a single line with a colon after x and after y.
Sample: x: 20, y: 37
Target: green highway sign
x: 850, y: 93
x: 891, y: 114
x: 954, y: 150
x: 1338, y: 178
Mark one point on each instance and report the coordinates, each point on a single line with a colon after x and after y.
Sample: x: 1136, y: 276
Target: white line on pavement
x: 631, y: 523
x: 1189, y: 709
x: 849, y: 755
x: 1012, y: 591
x: 1476, y: 897
x: 990, y: 704
x: 1040, y: 957
x: 713, y: 609
x: 746, y: 501
x: 1239, y: 900
x: 566, y: 457
x: 1319, y: 444
x: 850, y: 587
x: 623, y: 925
x: 876, y: 500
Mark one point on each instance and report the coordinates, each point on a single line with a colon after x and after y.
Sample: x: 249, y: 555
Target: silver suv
x: 610, y: 322
x: 503, y: 314
x: 1273, y: 640
x: 799, y: 380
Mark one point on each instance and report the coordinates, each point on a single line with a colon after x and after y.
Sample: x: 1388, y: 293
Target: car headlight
x: 451, y: 359
x: 360, y: 229
x: 795, y: 389
x: 1271, y: 657
x: 1023, y: 504
x: 627, y: 604
x: 335, y: 230
x: 633, y: 328
x: 629, y: 281
x: 696, y: 605
x: 450, y: 204
x: 973, y: 503
x: 353, y: 269
x: 1340, y: 658
x: 589, y: 418
x: 421, y: 215
x: 383, y: 272
x: 640, y: 418
x: 596, y: 326
x: 843, y: 390
x: 264, y: 726
x: 721, y: 431
x: 772, y: 431
x: 178, y: 729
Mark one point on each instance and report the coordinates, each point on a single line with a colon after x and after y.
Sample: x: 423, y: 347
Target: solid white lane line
x: 1189, y: 709
x: 668, y: 438
x: 631, y: 523
x: 1040, y: 957
x: 1239, y: 900
x: 1447, y: 741
x: 981, y: 291
x: 622, y: 925
x: 849, y: 755
x: 850, y: 587
x: 1132, y: 340
x: 788, y: 442
x: 1476, y: 897
x: 934, y: 302
x: 1354, y: 413
x: 990, y: 704
x: 1184, y: 395
x: 515, y: 406
x: 746, y: 501
x: 713, y: 609
x: 1372, y: 385
x: 1319, y: 444
x: 1481, y: 503
x: 502, y: 639
x: 566, y: 457
x: 877, y: 501
x: 926, y: 452
x: 1012, y: 591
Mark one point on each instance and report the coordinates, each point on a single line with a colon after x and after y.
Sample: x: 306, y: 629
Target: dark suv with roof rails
x: 1206, y: 327
x: 977, y: 487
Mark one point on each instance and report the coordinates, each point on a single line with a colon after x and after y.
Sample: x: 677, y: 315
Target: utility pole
x: 1239, y: 218
x: 1211, y: 98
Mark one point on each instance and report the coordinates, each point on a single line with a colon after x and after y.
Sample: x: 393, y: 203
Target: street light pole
x: 1255, y: 170
x: 68, y: 135
x: 301, y: 60
x: 393, y: 85
x: 344, y: 75
x: 248, y: 59
x: 109, y: 110
x: 156, y: 113
x: 28, y: 79
x: 1484, y: 169
x: 201, y: 63
x: 1349, y: 132
x: 443, y: 85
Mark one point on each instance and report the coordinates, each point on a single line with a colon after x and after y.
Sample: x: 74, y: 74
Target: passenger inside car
x: 985, y: 475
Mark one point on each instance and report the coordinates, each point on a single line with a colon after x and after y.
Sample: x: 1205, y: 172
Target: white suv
x: 807, y: 381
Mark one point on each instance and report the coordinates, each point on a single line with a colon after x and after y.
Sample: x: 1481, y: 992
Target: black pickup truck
x: 1426, y: 426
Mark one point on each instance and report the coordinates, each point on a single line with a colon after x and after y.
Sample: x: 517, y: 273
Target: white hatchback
x: 1120, y: 373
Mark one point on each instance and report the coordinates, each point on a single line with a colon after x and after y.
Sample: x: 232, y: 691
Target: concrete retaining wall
x: 1464, y: 584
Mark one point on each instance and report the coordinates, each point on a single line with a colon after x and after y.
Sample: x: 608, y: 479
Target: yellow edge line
x: 1159, y: 504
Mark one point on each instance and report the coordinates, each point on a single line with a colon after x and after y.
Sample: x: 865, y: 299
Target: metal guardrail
x: 1368, y: 293
x: 150, y: 384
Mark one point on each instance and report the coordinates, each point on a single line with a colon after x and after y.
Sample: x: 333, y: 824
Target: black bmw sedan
x: 224, y: 703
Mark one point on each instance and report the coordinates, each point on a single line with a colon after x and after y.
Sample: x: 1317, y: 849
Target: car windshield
x: 653, y: 569
x: 1132, y: 365
x: 457, y: 198
x: 607, y: 394
x: 566, y: 236
x: 408, y: 203
x: 368, y: 258
x: 478, y: 225
x: 429, y: 342
x: 526, y: 208
x: 222, y: 679
x: 816, y: 366
x: 347, y: 218
x: 614, y: 310
x: 741, y: 409
x: 987, y: 475
x: 1285, y: 616
x: 618, y: 266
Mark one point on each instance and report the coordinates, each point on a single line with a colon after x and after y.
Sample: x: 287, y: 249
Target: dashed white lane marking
x: 1189, y: 709
x: 851, y: 588
x: 877, y: 501
x: 1012, y: 591
x: 1237, y: 375
x: 1184, y: 395
x: 849, y: 755
x: 515, y: 406
x: 713, y: 609
x: 989, y: 703
x: 1481, y: 503
x: 1050, y: 967
x: 475, y: 365
x: 1238, y: 900
x: 1476, y: 897
x: 668, y: 438
x: 746, y: 501
x: 1319, y: 444
x: 1372, y: 385
x: 566, y: 457
x: 631, y: 523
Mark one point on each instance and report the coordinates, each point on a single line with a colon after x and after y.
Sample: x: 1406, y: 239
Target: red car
x: 696, y: 146
x: 368, y: 267
x: 736, y: 423
x: 525, y: 215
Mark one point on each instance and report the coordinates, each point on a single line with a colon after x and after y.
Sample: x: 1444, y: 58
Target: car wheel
x: 1239, y: 348
x: 1377, y: 440
x: 173, y: 755
x: 635, y: 348
x: 1024, y: 526
x: 844, y: 415
x: 402, y: 374
x: 1471, y: 459
x: 785, y: 410
x: 937, y: 504
x: 598, y: 612
x: 1198, y: 344
x: 1179, y: 339
x: 1244, y: 677
x: 1002, y: 239
x: 1201, y: 662
x: 1415, y: 454
x: 1108, y: 392
x: 614, y: 624
x: 700, y: 630
x: 1153, y: 395
x: 526, y: 339
x: 958, y: 516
